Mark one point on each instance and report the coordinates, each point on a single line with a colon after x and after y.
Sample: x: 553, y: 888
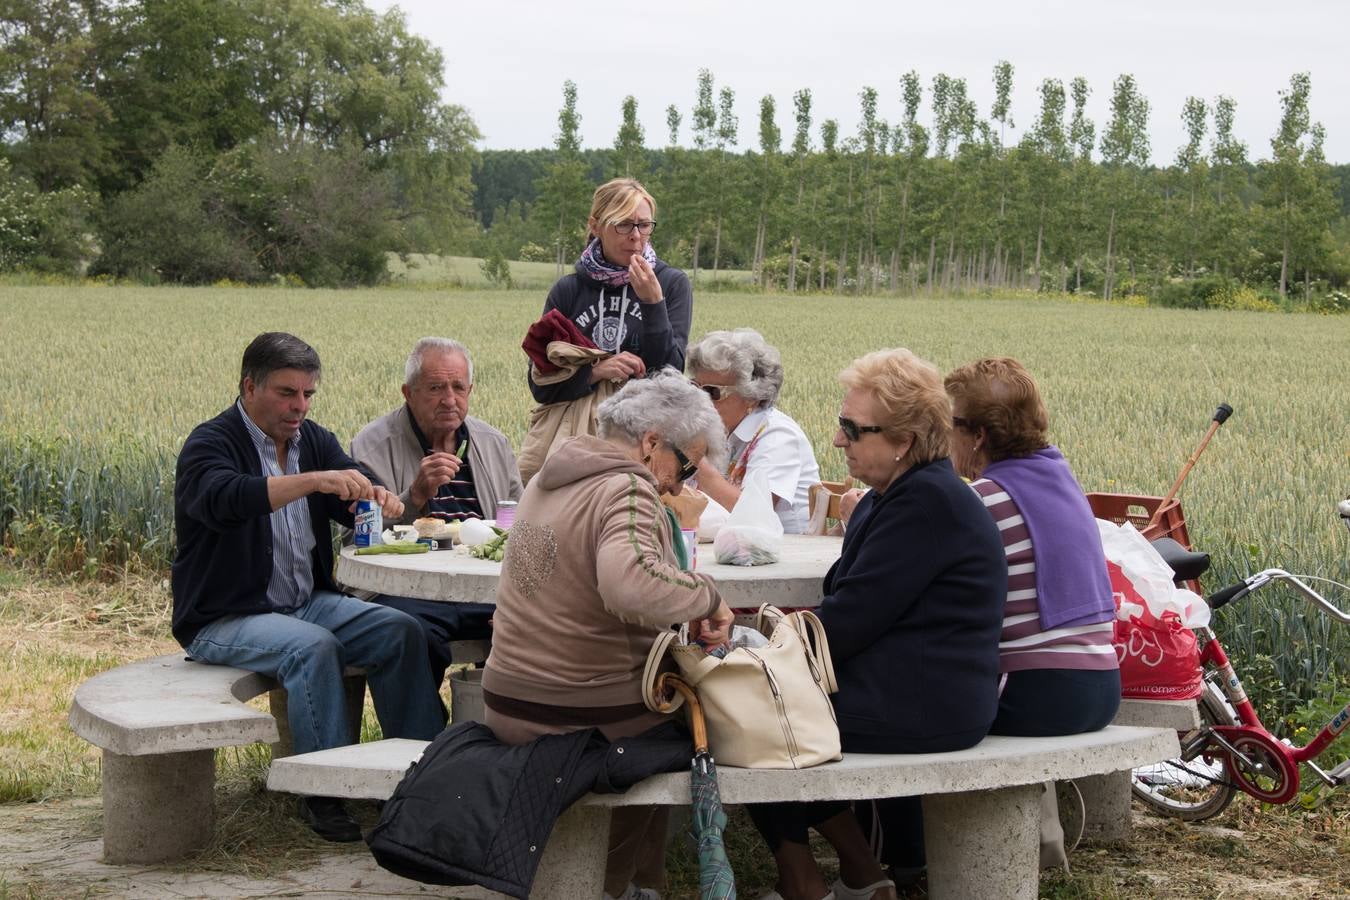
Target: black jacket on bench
x: 473, y: 810
x: 223, y: 521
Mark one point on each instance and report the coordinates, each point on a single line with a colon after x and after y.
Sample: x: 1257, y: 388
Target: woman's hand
x: 618, y: 368
x: 642, y: 279
x: 714, y: 630
x: 848, y: 501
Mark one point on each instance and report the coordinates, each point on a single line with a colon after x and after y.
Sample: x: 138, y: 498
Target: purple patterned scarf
x: 593, y: 265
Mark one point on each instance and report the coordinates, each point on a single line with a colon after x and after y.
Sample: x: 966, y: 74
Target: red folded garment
x: 552, y: 326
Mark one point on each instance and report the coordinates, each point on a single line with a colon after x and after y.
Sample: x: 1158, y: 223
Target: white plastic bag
x: 711, y: 520
x: 1151, y: 577
x: 753, y: 534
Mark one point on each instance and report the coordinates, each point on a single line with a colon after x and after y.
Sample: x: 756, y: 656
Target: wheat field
x: 102, y: 383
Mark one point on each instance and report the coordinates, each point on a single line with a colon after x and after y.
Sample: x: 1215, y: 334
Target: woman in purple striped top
x: 1059, y: 668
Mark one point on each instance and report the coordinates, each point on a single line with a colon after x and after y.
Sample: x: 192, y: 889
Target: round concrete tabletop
x: 456, y: 577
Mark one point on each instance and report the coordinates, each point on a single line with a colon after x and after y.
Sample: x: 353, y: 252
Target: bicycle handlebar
x: 1222, y: 598
x: 1261, y: 579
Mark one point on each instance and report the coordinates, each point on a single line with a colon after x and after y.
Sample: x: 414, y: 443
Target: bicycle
x: 1232, y: 750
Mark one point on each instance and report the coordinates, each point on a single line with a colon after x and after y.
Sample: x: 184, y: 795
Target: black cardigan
x: 913, y: 611
x: 222, y: 518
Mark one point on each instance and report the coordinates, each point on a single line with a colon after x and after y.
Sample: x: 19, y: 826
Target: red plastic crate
x: 1137, y: 509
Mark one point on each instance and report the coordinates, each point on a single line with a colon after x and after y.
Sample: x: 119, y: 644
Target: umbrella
x: 715, y: 878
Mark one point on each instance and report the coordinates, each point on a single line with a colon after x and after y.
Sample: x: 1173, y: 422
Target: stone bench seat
x: 159, y: 722
x: 981, y: 806
x: 1106, y: 798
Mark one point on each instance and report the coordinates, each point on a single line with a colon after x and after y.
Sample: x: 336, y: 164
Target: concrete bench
x: 159, y: 722
x: 1106, y: 798
x: 981, y: 806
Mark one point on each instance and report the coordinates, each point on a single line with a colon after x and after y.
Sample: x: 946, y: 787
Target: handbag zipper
x: 783, y: 720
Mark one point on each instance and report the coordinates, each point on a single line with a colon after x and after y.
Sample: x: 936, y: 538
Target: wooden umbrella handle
x: 1220, y: 416
x: 669, y: 681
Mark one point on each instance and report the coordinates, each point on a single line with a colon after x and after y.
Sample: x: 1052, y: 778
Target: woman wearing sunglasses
x: 592, y: 575
x: 743, y: 375
x: 912, y: 610
x: 621, y: 296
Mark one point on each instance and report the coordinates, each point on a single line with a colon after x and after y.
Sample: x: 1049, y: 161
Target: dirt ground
x: 52, y: 850
x: 55, y: 634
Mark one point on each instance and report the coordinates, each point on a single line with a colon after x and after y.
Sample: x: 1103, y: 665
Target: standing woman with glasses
x: 621, y: 296
x: 912, y: 611
x: 743, y: 375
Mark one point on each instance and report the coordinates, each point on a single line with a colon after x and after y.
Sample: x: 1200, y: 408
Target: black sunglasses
x: 853, y: 431
x: 715, y: 391
x: 687, y: 469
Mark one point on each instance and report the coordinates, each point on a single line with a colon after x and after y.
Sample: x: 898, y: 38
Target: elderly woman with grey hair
x: 743, y: 374
x: 593, y: 574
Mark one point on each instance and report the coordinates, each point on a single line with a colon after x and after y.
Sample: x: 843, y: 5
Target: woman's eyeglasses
x: 715, y: 391
x: 853, y: 431
x: 626, y: 228
x: 687, y: 469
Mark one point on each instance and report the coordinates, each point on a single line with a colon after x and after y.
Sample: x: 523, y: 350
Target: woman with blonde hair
x: 621, y: 297
x: 912, y: 610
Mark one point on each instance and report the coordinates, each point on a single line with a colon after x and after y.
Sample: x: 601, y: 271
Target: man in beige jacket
x: 442, y: 463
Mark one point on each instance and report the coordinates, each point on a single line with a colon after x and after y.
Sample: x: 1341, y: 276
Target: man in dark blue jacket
x: 255, y: 491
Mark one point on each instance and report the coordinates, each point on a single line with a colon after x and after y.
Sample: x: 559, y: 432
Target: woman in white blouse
x: 743, y: 375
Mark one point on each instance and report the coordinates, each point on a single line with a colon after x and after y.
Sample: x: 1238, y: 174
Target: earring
x: 897, y: 459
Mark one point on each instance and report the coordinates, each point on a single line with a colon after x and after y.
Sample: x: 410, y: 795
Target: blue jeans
x: 307, y: 649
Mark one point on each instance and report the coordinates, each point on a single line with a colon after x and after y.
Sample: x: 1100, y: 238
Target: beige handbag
x: 766, y: 707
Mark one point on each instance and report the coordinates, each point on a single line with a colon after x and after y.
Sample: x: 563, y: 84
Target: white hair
x: 412, y: 370
x: 668, y: 404
x: 758, y: 367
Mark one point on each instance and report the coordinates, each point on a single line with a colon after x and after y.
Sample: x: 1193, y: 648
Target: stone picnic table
x: 453, y: 576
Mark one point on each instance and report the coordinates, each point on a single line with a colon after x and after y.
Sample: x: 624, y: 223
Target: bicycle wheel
x: 1196, y: 789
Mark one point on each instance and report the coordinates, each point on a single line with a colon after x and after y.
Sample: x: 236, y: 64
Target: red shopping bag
x: 1159, y: 656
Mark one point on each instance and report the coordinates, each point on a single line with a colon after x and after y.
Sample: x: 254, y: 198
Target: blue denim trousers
x: 306, y: 650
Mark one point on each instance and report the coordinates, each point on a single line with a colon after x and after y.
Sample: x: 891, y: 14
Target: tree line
x: 198, y: 140
x: 940, y: 200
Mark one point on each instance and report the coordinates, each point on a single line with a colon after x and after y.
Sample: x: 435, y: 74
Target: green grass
x: 425, y: 271
x: 101, y: 385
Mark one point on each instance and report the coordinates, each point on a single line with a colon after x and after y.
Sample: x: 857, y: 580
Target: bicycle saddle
x: 1185, y: 564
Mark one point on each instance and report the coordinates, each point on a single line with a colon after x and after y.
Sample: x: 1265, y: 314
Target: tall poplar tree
x: 1295, y: 190
x: 770, y: 142
x: 728, y: 126
x: 564, y: 190
x: 630, y: 159
x: 801, y: 150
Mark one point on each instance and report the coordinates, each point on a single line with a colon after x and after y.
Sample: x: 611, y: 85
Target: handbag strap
x: 812, y: 631
x: 767, y: 616
x: 651, y: 670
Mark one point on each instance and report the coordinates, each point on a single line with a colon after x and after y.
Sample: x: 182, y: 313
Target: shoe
x: 330, y: 819
x: 633, y: 892
x: 844, y: 892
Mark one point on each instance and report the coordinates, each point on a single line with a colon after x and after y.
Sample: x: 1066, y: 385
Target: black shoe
x: 329, y: 819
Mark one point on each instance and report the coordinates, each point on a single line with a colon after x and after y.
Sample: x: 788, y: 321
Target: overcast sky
x: 506, y: 61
